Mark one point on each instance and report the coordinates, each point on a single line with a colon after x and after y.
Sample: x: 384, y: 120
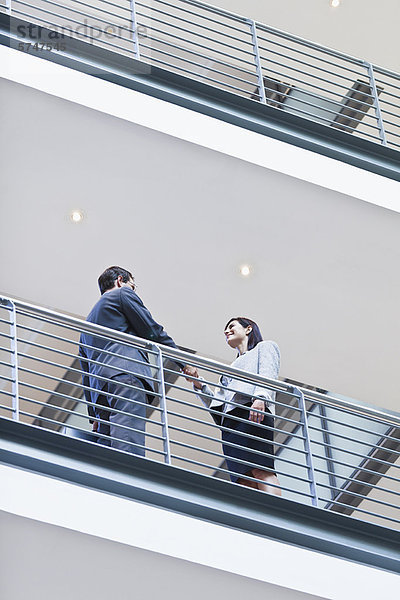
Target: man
x: 118, y: 377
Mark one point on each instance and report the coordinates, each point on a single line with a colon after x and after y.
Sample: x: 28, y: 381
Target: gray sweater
x: 263, y: 360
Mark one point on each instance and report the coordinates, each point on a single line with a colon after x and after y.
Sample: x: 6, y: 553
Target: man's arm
x: 146, y: 327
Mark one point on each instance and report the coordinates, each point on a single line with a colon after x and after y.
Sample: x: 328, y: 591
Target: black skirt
x: 236, y: 432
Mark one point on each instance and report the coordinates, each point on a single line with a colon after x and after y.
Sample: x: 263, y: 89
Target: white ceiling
x: 366, y: 29
x: 41, y: 561
x: 183, y: 217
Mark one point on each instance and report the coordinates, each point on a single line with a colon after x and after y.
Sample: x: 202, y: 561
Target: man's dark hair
x: 107, y: 279
x: 255, y: 334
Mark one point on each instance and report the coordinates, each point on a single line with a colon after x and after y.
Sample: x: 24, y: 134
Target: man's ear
x: 119, y: 281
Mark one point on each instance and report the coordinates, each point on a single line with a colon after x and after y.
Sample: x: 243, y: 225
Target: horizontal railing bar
x: 314, y: 56
x: 352, y: 480
x: 352, y: 410
x: 219, y: 52
x: 73, y: 10
x: 201, y: 394
x: 353, y: 453
x: 175, y: 7
x: 119, y: 6
x: 350, y: 426
x: 332, y: 123
x: 98, y: 435
x: 356, y: 468
x: 99, y: 9
x: 178, y: 57
x: 210, y: 410
x: 83, y: 326
x: 302, y: 62
x: 356, y: 495
x: 196, y: 75
x: 205, y: 37
x: 248, y: 478
x: 334, y: 434
x: 217, y: 412
x: 387, y: 83
x: 85, y: 387
x: 386, y: 92
x: 79, y: 357
x: 308, y: 73
x: 356, y: 509
x: 270, y: 385
x: 98, y: 419
x: 72, y: 369
x: 247, y: 436
x: 69, y: 29
x: 318, y: 96
x: 353, y: 467
x: 243, y: 462
x: 392, y: 132
x: 266, y: 71
x: 350, y: 407
x: 186, y: 60
x: 187, y: 21
x: 214, y: 9
x: 86, y: 403
x: 74, y: 342
x: 8, y: 365
x: 6, y: 335
x: 393, y: 143
x: 308, y: 44
x: 389, y: 112
x: 330, y: 110
x: 387, y: 122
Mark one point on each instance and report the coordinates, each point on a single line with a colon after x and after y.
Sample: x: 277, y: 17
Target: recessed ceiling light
x: 245, y: 270
x: 334, y: 3
x: 76, y: 216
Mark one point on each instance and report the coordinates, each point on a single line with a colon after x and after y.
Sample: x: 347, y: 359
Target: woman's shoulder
x: 268, y: 346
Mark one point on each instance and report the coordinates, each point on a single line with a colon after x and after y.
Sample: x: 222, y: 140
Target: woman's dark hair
x: 255, y: 334
x: 107, y: 279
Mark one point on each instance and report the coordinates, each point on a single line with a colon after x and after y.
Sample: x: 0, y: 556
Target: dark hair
x: 107, y: 279
x: 255, y: 334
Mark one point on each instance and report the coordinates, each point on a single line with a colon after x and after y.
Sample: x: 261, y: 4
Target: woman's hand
x: 256, y: 416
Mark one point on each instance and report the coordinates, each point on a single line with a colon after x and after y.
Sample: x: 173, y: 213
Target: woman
x: 244, y: 400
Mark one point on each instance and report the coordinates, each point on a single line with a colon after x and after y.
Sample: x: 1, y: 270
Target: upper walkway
x: 226, y: 65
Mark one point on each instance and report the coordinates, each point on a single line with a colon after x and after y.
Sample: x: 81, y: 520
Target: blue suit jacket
x: 123, y: 310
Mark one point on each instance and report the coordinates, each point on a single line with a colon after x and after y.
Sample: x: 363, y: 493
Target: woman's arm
x: 269, y: 359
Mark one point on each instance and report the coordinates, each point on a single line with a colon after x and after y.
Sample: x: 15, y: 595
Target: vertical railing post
x: 135, y: 37
x: 257, y: 60
x: 377, y: 107
x: 307, y: 446
x: 14, y: 355
x: 163, y: 406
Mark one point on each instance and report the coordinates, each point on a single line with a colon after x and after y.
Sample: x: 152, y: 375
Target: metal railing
x: 330, y: 453
x: 231, y: 52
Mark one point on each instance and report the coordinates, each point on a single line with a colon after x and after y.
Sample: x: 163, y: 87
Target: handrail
x: 201, y: 361
x: 310, y: 428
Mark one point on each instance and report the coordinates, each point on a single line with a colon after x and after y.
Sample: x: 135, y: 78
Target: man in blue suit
x: 117, y: 376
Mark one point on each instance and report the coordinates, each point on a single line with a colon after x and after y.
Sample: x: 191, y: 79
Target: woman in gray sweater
x: 247, y: 435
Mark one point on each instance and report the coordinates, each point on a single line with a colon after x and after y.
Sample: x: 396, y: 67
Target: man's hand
x: 191, y: 373
x: 255, y: 416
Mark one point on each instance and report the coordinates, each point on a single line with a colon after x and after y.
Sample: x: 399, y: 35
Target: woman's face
x: 237, y: 335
